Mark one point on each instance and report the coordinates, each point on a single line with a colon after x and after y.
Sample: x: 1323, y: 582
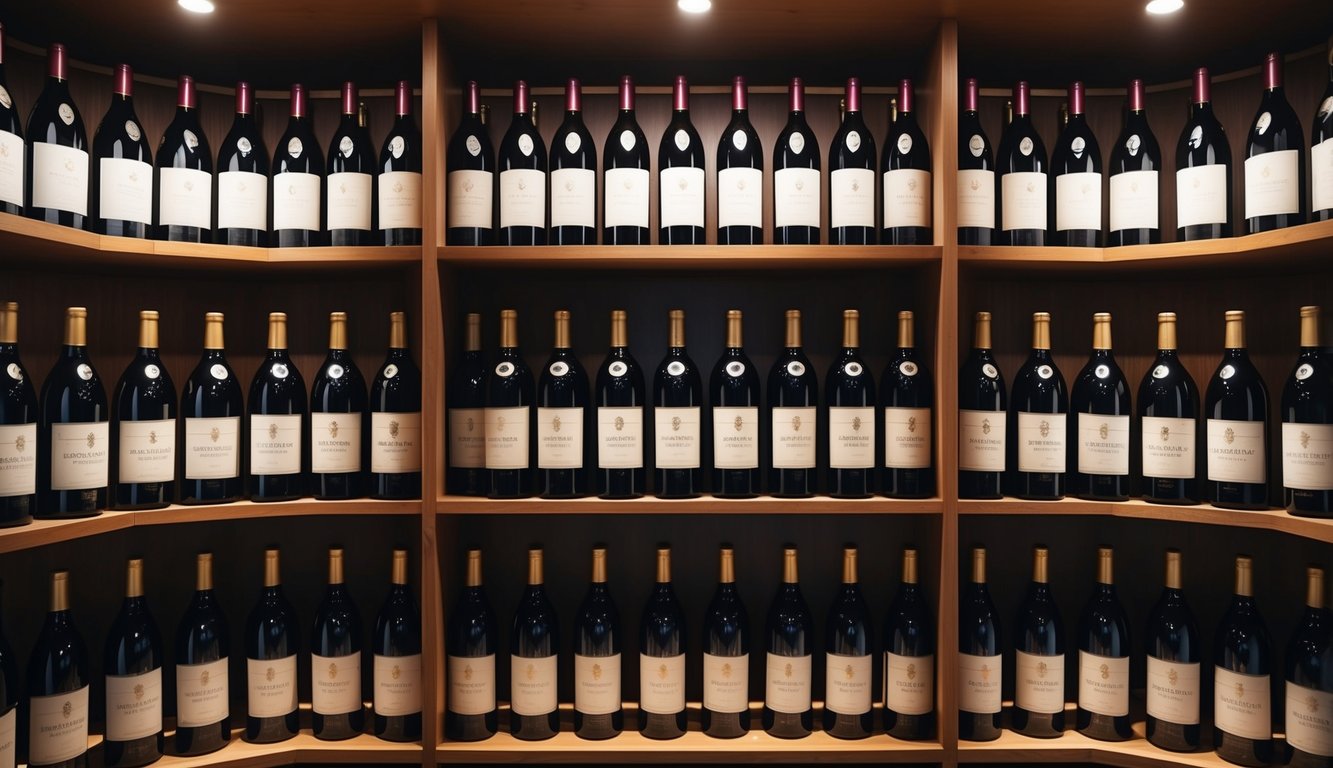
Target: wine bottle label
x: 1023, y: 200
x: 335, y: 684
x: 467, y: 438
x: 533, y: 689
x: 681, y: 197
x: 597, y: 684
x: 907, y: 443
x: 626, y: 197
x: 148, y: 451
x: 794, y: 440
x: 275, y: 444
x: 335, y: 442
x: 907, y: 194
x: 1241, y: 704
x: 736, y: 438
x: 1321, y: 175
x: 185, y: 198
x: 559, y: 438
x: 523, y: 198
x: 1168, y: 447
x: 472, y: 684
x: 1307, y: 456
x: 1078, y: 201
x: 399, y: 196
x: 348, y: 198
x: 1309, y: 724
x: 979, y: 683
x: 9, y: 738
x: 213, y: 448
x: 270, y: 686
x: 296, y: 201
x: 397, y: 685
x: 59, y: 178
x: 1273, y: 183
x: 1039, y: 683
x: 661, y: 684
x: 619, y: 438
x: 1173, y: 691
x: 976, y: 198
x: 574, y: 197
x: 1041, y: 442
x: 133, y: 705
x: 1103, y: 444
x: 676, y: 437
x: 395, y: 442
x: 787, y: 684
x: 125, y: 190
x: 851, y: 438
x: 847, y: 683
x: 79, y: 455
x: 1236, y: 451
x: 1103, y: 684
x: 470, y: 199
x: 909, y: 684
x: 796, y: 198
x: 57, y: 727
x: 242, y: 200
x: 507, y: 437
x: 852, y: 197
x: 727, y: 683
x: 18, y: 459
x: 1134, y: 201
x: 11, y: 168
x: 202, y: 694
x: 1201, y: 195
x: 981, y: 436
x: 740, y: 197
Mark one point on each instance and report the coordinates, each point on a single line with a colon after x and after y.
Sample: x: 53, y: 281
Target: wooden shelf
x: 1074, y: 747
x: 704, y: 505
x: 301, y: 748
x: 802, y: 257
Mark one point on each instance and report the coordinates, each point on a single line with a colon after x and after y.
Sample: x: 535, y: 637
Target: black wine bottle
x: 335, y: 660
x: 626, y: 176
x: 1236, y: 407
x: 909, y: 659
x: 533, y: 647
x: 740, y: 175
x: 211, y: 408
x: 662, y: 658
x: 398, y: 218
x: 789, y: 641
x: 1274, y: 171
x: 982, y: 424
x: 522, y: 163
x: 144, y: 430
x: 121, y: 202
x: 471, y: 644
x: 12, y: 152
x: 203, y: 644
x: 509, y: 401
x: 619, y: 402
x: 726, y: 643
x: 1243, y: 662
x: 1168, y: 409
x: 396, y: 650
x: 1103, y: 660
x: 1099, y: 412
x: 907, y: 396
x: 58, y: 686
x: 56, y: 185
x: 279, y: 453
x: 793, y: 417
x: 849, y: 662
x: 680, y: 175
x: 796, y: 179
x: 470, y: 170
x: 18, y: 425
x: 338, y: 419
x: 678, y: 428
x: 351, y: 165
x: 1039, y: 651
x: 298, y: 175
x: 1309, y: 682
x: 905, y: 171
x: 980, y: 671
x: 1203, y: 170
x: 597, y: 641
x: 395, y: 419
x: 132, y: 658
x: 1135, y: 185
x: 465, y: 398
x: 1022, y: 165
x: 183, y: 194
x: 1173, y: 689
x: 850, y: 401
x: 243, y: 177
x: 1321, y: 157
x: 74, y: 438
x: 976, y: 174
x: 1037, y: 421
x: 272, y: 639
x: 1307, y: 426
x: 733, y: 388
x: 1076, y: 194
x: 573, y: 176
x: 562, y: 413
x: 851, y: 163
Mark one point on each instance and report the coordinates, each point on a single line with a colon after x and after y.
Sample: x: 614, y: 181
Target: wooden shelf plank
x: 301, y: 748
x: 1074, y: 747
x: 691, y: 256
x: 704, y: 505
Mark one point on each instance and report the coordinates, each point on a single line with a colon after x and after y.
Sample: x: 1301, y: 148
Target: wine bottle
x: 133, y: 662
x: 509, y: 399
x: 1099, y: 410
x: 58, y: 687
x: 909, y: 659
x: 144, y: 429
x: 12, y: 167
x: 907, y: 394
x: 680, y: 175
x: 395, y: 419
x: 1274, y: 173
x: 335, y: 660
x: 851, y: 417
x: 793, y: 417
x: 976, y: 174
x: 18, y: 425
x: 740, y: 175
x: 1037, y: 421
x: 272, y: 639
x: 1022, y: 165
x: 678, y: 429
x: 183, y: 194
x: 982, y: 425
x: 1203, y: 170
x: 398, y: 176
x: 242, y: 177
x: 465, y: 398
x: 726, y: 641
x: 1076, y: 165
x: 522, y: 163
x: 1039, y: 651
x: 72, y: 468
x: 1307, y: 426
x: 597, y: 641
x: 905, y: 169
x: 1173, y: 653
x: 122, y: 169
x: 211, y: 407
x: 626, y: 180
x: 533, y: 647
x: 848, y: 644
x: 471, y: 645
x: 734, y: 390
x: 796, y: 196
x: 470, y: 164
x: 851, y: 165
x: 56, y: 185
x: 1236, y: 407
x: 1309, y: 681
x: 789, y: 640
x: 203, y: 643
x: 1103, y: 660
x: 351, y: 168
x: 979, y: 665
x: 562, y: 412
x: 1136, y: 164
x: 298, y: 174
x: 619, y: 401
x: 278, y: 410
x: 573, y: 175
x: 1242, y: 658
x: 396, y: 650
x: 1168, y: 410
x: 662, y: 658
x: 338, y: 417
x: 1321, y: 156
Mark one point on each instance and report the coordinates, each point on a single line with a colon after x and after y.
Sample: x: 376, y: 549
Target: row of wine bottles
x: 58, y: 681
x: 509, y: 438
x: 59, y: 454
x: 1243, y: 665
x: 119, y: 186
x: 1044, y: 440
x: 473, y: 644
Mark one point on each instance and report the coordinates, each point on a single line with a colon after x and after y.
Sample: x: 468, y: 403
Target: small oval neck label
x: 191, y: 140
x: 796, y: 143
x: 559, y: 368
x: 627, y: 139
x: 675, y: 368
x: 735, y: 368
x: 904, y: 144
x: 1196, y: 137
x: 85, y: 371
x: 294, y: 147
x: 152, y: 371
x: 1078, y: 145
x: 739, y: 139
x: 346, y: 146
x: 908, y: 368
x: 991, y: 371
x: 1160, y: 372
x: 1261, y: 124
x: 572, y: 142
x: 1045, y: 371
x: 66, y: 113
x: 473, y: 146
x: 1025, y: 146
x: 976, y: 145
x: 853, y: 140
x: 336, y: 371
x: 279, y: 370
x: 682, y: 139
x: 1227, y: 372
x: 14, y: 371
x: 525, y: 145
x: 1132, y: 145
x: 397, y: 146
x: 1103, y: 371
x: 244, y: 146
x: 617, y: 368
x: 219, y: 371
x: 796, y: 368
x: 132, y: 130
x: 5, y: 100
x: 1325, y: 107
x: 390, y: 371
x: 852, y: 369
x: 504, y: 369
x: 1304, y: 372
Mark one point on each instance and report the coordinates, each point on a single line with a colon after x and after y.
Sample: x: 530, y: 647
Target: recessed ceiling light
x: 1163, y: 7
x: 206, y: 6
x: 694, y: 6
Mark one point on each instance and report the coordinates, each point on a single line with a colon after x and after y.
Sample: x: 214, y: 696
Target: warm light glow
x: 695, y: 6
x: 206, y: 6
x: 1163, y: 7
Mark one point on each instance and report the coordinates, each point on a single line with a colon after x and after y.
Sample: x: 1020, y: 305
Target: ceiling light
x: 206, y: 6
x: 694, y: 6
x: 1163, y: 7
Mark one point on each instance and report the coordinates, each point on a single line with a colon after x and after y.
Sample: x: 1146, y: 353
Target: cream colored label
x: 852, y: 197
x: 9, y: 738
x: 1307, y: 456
x: 147, y: 451
x: 1103, y: 444
x: 18, y: 459
x: 736, y: 438
x: 787, y: 684
x: 275, y: 444
x: 559, y: 438
x: 626, y: 197
x: 270, y: 686
x: 1134, y: 200
x: 1173, y: 691
x: 472, y: 684
x: 133, y: 705
x: 202, y: 694
x: 395, y: 442
x: 522, y: 198
x: 574, y: 197
x: 399, y: 196
x: 597, y: 684
x: 507, y: 437
x: 1168, y: 447
x: 1309, y: 722
x: 796, y: 197
x: 335, y: 442
x: 1273, y: 183
x: 1236, y: 451
x: 79, y: 455
x: 907, y: 442
x: 470, y: 202
x: 909, y: 684
x: 677, y: 436
x: 1321, y: 175
x: 976, y: 198
x: 1201, y: 195
x: 726, y: 683
x: 851, y: 437
x: 619, y: 438
x: 57, y: 727
x: 847, y: 683
x: 1041, y: 442
x: 661, y: 684
x: 981, y: 436
x: 907, y: 196
x: 242, y: 200
x: 681, y: 197
x: 740, y: 197
x: 1039, y: 683
x: 212, y: 448
x: 59, y: 178
x: 296, y: 201
x: 794, y: 440
x: 11, y: 178
x: 335, y: 684
x: 1078, y: 201
x: 1241, y: 705
x: 125, y: 190
x: 979, y: 683
x: 533, y: 685
x: 348, y: 199
x: 185, y: 198
x: 397, y: 685
x: 467, y: 438
x: 1103, y: 684
x: 1023, y: 200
